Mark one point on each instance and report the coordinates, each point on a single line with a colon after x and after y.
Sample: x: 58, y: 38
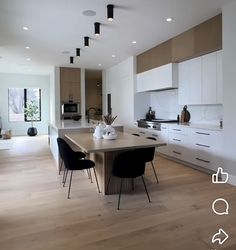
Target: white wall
x: 55, y: 94
x: 119, y: 81
x: 229, y: 89
x: 165, y: 103
x: 25, y: 81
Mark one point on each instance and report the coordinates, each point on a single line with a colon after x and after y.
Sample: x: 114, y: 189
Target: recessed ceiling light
x: 134, y: 42
x: 89, y: 13
x: 113, y: 56
x: 25, y: 28
x: 28, y: 59
x: 99, y: 64
x: 27, y: 47
x: 169, y: 19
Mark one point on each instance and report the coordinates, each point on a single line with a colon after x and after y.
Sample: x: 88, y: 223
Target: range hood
x: 162, y: 78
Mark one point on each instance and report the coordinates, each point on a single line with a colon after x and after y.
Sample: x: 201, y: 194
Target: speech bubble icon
x: 219, y: 203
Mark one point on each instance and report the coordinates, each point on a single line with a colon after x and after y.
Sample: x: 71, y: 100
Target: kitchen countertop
x: 202, y: 126
x: 71, y: 124
x: 208, y: 126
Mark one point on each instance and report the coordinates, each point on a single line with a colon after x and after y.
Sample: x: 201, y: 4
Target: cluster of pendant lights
x: 110, y: 15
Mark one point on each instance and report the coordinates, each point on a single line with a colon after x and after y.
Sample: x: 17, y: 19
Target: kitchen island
x: 62, y: 127
x: 103, y: 153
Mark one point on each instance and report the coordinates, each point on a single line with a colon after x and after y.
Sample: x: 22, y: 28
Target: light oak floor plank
x: 36, y: 215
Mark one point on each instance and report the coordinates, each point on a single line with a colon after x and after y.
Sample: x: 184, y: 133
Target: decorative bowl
x: 109, y: 136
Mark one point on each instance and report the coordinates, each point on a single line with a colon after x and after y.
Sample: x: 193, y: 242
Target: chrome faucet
x: 89, y: 111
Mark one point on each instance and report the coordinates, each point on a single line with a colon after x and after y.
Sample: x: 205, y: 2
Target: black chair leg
x: 146, y: 189
x: 60, y: 165
x: 64, y: 181
x: 118, y: 207
x: 133, y: 184
x: 155, y: 172
x: 90, y: 175
x: 96, y: 180
x: 68, y: 196
x: 64, y: 174
x: 108, y: 185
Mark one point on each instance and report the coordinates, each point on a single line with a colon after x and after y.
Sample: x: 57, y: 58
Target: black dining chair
x: 79, y: 154
x: 128, y: 165
x: 148, y: 155
x: 73, y: 163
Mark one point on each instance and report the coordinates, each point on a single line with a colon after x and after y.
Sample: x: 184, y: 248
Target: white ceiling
x: 59, y: 25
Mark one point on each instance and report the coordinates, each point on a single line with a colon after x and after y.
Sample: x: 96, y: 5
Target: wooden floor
x: 35, y: 213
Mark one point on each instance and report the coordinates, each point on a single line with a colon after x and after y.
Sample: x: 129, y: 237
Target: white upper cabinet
x: 163, y: 77
x: 190, y: 81
x: 209, y: 79
x: 200, y: 80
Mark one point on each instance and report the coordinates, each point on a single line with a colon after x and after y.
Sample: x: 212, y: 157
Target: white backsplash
x: 165, y: 103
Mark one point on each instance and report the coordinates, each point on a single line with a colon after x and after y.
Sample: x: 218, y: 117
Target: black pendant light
x: 110, y: 14
x: 97, y: 29
x: 77, y: 51
x: 86, y: 41
x: 71, y: 59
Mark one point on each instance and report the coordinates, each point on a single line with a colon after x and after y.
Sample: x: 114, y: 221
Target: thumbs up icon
x: 220, y: 176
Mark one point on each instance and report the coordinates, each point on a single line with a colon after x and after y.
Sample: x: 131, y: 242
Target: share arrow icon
x: 221, y: 237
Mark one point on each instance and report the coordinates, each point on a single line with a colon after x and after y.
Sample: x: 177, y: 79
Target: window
x: 17, y: 101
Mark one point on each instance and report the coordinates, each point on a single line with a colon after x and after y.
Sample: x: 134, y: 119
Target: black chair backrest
x: 60, y: 141
x: 151, y: 138
x: 128, y: 164
x: 148, y: 153
x: 68, y: 155
x: 136, y: 134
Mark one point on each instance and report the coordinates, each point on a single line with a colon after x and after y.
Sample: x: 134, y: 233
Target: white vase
x: 99, y: 131
x: 109, y: 130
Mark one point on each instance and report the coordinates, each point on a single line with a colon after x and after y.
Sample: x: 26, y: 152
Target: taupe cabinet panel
x: 199, y: 40
x: 155, y: 57
x: 183, y: 46
x: 208, y: 36
x: 70, y: 84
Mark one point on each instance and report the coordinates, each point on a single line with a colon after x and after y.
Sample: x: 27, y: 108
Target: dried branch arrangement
x: 108, y: 119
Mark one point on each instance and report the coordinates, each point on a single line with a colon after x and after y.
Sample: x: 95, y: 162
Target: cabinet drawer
x: 205, y: 138
x: 164, y: 128
x: 177, y: 152
x: 178, y: 130
x: 177, y: 139
x: 203, y: 159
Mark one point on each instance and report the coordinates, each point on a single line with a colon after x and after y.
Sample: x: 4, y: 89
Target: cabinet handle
x: 176, y: 129
x: 201, y: 133
x: 155, y: 135
x: 199, y: 159
x: 176, y: 139
x: 202, y: 145
x: 178, y: 153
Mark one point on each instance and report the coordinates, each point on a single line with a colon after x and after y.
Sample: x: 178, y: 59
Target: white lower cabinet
x: 177, y: 142
x: 201, y: 147
x: 163, y: 137
x: 206, y: 147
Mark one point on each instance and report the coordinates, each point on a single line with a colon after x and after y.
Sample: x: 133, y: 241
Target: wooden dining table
x: 104, y: 151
